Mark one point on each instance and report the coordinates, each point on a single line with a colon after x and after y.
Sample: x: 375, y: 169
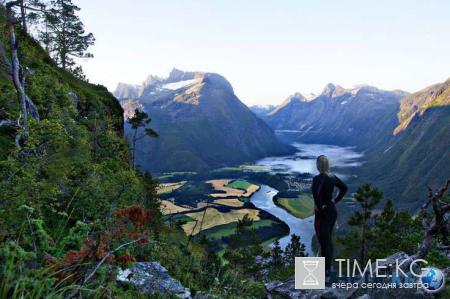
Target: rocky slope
x: 202, y: 124
x: 357, y: 116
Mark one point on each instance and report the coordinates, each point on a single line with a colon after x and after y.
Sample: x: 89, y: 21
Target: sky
x: 268, y: 49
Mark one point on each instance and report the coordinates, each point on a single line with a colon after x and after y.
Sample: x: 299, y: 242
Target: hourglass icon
x: 310, y: 279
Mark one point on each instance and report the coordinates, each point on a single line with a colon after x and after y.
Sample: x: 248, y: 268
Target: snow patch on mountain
x: 178, y: 85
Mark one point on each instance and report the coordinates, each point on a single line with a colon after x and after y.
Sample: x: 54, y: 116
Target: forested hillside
x: 69, y: 196
x: 74, y: 209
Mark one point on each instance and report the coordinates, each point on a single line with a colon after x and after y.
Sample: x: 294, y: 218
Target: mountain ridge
x: 338, y: 116
x: 202, y: 125
x: 417, y: 103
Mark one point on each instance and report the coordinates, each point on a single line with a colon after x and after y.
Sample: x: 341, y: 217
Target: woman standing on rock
x: 325, y: 211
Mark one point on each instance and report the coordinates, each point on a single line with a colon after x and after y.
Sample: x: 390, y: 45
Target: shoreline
x: 275, y: 201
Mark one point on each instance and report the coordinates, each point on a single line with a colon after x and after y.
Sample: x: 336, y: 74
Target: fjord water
x: 302, y: 161
x: 305, y: 159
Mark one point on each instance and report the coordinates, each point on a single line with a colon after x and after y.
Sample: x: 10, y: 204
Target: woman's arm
x: 314, y: 192
x: 342, y: 189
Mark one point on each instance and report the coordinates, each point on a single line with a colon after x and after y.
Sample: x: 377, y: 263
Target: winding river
x: 302, y: 227
x: 302, y: 161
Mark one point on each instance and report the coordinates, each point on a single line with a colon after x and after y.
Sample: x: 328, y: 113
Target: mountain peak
x: 296, y: 97
x: 329, y: 89
x: 126, y: 91
x: 176, y: 75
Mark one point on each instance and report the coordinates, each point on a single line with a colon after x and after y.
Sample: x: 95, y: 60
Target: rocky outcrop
x: 152, y: 278
x: 286, y: 289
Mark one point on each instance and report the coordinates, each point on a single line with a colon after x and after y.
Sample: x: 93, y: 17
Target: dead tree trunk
x: 27, y: 104
x: 23, y: 16
x: 437, y: 226
x: 28, y: 108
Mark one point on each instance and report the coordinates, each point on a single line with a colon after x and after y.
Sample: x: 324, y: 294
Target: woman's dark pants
x: 324, y: 225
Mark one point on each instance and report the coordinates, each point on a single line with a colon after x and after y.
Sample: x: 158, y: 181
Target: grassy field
x: 244, y: 199
x: 239, y: 184
x: 244, y: 185
x: 214, y: 218
x: 235, y: 188
x: 221, y: 186
x: 301, y: 207
x: 177, y: 217
x: 224, y: 230
x: 169, y: 187
x: 169, y: 208
x: 231, y: 202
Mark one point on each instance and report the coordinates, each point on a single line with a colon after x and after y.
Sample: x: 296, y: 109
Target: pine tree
x: 139, y: 120
x: 244, y: 248
x: 294, y: 249
x: 151, y: 200
x: 368, y: 198
x: 384, y: 233
x: 64, y: 35
x: 276, y: 256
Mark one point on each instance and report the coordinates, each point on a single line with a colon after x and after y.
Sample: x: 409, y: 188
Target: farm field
x: 170, y: 208
x: 236, y: 188
x: 231, y: 202
x: 176, y: 217
x: 213, y: 217
x: 169, y: 187
x: 220, y: 185
x: 301, y: 207
x: 240, y: 184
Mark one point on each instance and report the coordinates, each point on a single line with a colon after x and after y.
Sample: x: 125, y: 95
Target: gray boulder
x: 152, y: 278
x: 74, y: 97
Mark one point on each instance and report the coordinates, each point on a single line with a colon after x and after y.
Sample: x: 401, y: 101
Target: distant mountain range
x: 340, y: 116
x: 201, y: 122
x: 262, y: 110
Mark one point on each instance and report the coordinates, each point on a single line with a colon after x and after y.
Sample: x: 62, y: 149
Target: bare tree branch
x: 436, y: 225
x: 9, y: 122
x: 443, y: 247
